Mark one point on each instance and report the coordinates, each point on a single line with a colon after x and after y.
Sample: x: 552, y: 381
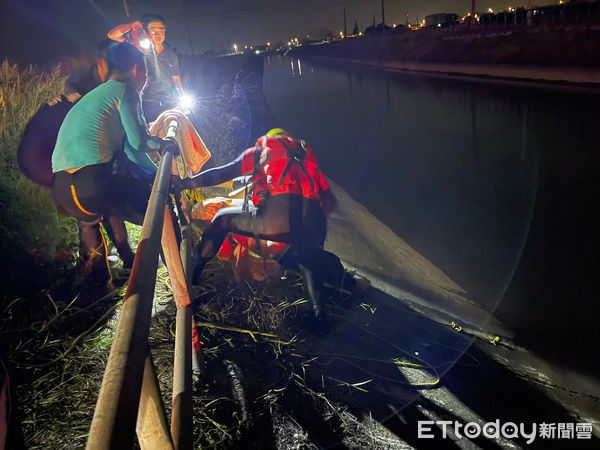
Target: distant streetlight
x: 235, y: 48
x: 341, y: 34
x: 490, y: 10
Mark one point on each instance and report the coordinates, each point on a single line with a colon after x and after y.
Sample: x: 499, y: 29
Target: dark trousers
x: 287, y: 218
x: 93, y: 194
x: 153, y: 108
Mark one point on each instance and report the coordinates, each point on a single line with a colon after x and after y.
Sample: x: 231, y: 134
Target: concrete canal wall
x: 559, y: 55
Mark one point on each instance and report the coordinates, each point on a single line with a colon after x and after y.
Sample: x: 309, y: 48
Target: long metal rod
x: 185, y: 250
x: 116, y: 411
x: 182, y: 412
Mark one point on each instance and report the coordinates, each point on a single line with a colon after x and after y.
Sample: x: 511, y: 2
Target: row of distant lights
x: 236, y: 48
x: 291, y: 42
x: 510, y: 9
x: 294, y: 41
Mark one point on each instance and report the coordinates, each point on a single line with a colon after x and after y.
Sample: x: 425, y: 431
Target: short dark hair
x: 147, y: 18
x: 102, y: 49
x: 123, y: 56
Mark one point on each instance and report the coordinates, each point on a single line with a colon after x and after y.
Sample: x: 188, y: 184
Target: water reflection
x: 466, y: 173
x: 442, y: 164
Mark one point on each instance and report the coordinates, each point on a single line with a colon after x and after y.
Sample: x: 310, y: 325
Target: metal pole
x: 182, y: 411
x: 186, y: 259
x: 116, y: 411
x: 126, y: 8
x: 182, y: 408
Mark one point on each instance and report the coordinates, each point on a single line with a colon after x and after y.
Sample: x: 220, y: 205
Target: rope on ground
x: 396, y: 361
x: 421, y: 363
x: 270, y: 337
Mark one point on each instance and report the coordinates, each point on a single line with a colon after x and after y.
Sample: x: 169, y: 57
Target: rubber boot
x: 312, y: 291
x: 117, y: 232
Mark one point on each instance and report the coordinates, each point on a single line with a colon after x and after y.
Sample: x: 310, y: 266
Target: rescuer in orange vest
x: 287, y: 201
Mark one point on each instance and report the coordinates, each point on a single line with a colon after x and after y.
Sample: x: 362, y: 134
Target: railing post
x: 185, y: 250
x: 116, y: 411
x: 182, y: 412
x: 182, y: 406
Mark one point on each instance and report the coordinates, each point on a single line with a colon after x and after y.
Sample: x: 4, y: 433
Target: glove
x: 169, y: 145
x: 178, y: 185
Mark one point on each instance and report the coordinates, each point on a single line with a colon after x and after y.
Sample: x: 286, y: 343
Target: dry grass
x: 59, y: 359
x: 31, y: 229
x: 260, y: 362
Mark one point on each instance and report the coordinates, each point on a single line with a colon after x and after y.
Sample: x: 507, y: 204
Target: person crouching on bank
x: 101, y: 135
x: 288, y: 200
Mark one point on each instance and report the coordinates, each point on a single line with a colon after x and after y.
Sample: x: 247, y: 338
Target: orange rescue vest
x: 283, y: 165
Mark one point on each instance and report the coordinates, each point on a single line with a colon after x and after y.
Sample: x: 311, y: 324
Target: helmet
x: 276, y: 131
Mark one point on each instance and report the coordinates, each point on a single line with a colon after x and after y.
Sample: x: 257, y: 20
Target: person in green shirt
x: 102, y: 136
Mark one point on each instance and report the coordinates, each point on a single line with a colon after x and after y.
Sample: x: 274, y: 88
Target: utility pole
x: 126, y: 9
x: 190, y: 38
x: 383, y: 13
x: 345, y: 34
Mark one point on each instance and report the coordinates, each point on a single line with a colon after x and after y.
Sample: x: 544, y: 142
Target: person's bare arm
x: 178, y: 83
x: 118, y: 33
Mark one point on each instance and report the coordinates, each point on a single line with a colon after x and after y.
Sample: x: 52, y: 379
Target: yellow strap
x: 110, y: 274
x: 76, y: 201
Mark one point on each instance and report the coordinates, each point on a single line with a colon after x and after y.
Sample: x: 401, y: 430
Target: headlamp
x: 185, y: 102
x: 145, y: 43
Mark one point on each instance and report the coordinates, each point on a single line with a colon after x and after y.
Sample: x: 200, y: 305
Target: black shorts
x: 284, y: 218
x: 96, y: 191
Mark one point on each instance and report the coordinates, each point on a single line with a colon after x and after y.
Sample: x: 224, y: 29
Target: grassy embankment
x: 56, y: 348
x: 33, y: 233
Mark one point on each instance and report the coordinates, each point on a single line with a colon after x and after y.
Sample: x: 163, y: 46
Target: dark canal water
x: 496, y: 184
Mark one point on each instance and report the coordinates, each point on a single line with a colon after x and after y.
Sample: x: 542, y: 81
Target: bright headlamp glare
x: 185, y: 102
x: 145, y: 43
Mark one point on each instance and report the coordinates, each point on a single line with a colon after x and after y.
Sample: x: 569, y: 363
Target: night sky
x: 40, y: 31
